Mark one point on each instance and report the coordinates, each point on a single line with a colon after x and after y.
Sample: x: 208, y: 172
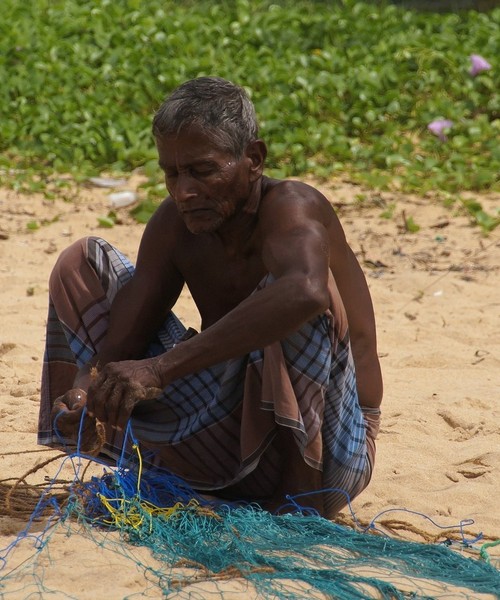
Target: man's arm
x: 137, y: 311
x: 295, y: 251
x: 355, y: 295
x: 303, y: 239
x: 298, y: 244
x: 142, y: 304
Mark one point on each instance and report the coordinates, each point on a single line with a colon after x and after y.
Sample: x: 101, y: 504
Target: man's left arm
x: 295, y: 251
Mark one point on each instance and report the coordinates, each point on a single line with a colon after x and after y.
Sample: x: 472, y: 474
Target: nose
x: 183, y: 188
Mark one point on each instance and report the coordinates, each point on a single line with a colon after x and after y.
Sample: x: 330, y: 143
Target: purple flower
x: 478, y: 64
x: 438, y: 126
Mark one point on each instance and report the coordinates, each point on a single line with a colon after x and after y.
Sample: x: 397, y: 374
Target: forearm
x: 368, y: 375
x: 111, y: 351
x: 138, y: 310
x: 261, y: 319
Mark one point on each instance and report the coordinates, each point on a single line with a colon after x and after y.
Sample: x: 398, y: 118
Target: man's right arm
x: 142, y: 304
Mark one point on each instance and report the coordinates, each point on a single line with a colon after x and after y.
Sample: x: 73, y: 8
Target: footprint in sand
x: 6, y: 347
x: 472, y: 468
x: 475, y: 467
x: 463, y: 429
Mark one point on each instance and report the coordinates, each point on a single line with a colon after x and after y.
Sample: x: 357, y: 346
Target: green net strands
x: 198, y: 545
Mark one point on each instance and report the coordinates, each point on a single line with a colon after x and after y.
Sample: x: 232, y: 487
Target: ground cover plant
x: 341, y: 87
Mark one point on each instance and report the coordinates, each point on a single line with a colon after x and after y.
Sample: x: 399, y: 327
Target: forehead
x: 188, y: 146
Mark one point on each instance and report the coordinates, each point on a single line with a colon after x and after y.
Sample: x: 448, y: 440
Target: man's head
x: 216, y: 107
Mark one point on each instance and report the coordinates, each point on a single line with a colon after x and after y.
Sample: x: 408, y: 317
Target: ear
x: 256, y: 153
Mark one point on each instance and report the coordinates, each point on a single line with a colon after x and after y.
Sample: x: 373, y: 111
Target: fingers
x: 71, y: 400
x: 117, y: 405
x: 67, y: 413
x: 71, y: 404
x: 76, y: 398
x: 112, y: 397
x: 67, y: 421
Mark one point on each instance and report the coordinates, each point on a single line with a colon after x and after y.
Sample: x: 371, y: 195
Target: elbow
x: 313, y: 298
x: 70, y: 262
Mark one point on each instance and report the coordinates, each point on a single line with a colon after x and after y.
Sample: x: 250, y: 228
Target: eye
x: 202, y: 171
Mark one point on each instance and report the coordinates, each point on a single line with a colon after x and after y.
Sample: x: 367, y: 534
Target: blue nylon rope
x: 156, y: 509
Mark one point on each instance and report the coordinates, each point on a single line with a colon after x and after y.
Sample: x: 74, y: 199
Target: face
x: 208, y: 185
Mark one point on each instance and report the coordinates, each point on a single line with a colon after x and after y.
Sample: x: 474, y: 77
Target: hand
x: 119, y: 386
x: 66, y: 415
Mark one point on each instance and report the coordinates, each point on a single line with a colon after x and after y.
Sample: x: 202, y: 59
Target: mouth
x: 201, y: 220
x: 193, y: 212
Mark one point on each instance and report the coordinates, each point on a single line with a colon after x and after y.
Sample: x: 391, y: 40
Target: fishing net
x: 197, y: 547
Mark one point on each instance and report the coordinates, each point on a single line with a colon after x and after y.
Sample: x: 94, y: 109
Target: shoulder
x: 296, y: 200
x: 164, y: 233
x: 291, y: 189
x: 289, y: 205
x: 165, y: 223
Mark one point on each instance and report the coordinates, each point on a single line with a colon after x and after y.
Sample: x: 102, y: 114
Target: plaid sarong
x: 217, y: 427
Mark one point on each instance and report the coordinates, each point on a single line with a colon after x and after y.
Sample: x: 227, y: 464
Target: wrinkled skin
x: 118, y: 387
x: 67, y: 413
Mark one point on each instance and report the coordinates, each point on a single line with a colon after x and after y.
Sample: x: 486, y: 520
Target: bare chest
x: 218, y: 283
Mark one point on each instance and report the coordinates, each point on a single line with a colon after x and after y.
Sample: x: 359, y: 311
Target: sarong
x: 218, y: 427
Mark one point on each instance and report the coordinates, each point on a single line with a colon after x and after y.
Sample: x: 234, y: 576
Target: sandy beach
x: 437, y: 300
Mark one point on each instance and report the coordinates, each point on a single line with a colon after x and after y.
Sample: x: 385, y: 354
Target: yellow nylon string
x: 139, y: 475
x: 131, y: 512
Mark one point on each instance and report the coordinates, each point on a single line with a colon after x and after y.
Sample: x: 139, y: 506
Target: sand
x: 437, y: 300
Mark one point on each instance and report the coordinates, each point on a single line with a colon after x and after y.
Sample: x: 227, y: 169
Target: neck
x: 236, y: 234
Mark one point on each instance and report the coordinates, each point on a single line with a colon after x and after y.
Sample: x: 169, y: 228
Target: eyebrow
x: 196, y: 163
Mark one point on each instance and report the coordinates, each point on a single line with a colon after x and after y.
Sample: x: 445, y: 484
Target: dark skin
x: 223, y: 227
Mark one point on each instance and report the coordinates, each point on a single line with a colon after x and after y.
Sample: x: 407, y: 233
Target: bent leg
x: 82, y: 287
x: 348, y: 478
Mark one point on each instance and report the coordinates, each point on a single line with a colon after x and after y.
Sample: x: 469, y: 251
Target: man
x: 264, y: 401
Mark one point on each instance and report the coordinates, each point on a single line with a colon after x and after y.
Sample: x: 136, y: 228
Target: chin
x: 197, y: 227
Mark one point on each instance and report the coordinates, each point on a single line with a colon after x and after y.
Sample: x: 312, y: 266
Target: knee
x: 69, y: 263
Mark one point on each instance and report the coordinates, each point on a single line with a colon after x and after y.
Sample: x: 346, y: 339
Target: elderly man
x: 280, y: 391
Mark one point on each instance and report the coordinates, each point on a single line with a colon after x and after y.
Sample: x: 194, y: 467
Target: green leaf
x: 346, y: 87
x: 486, y: 221
x: 143, y: 211
x: 411, y: 226
x: 388, y: 213
x: 106, y: 222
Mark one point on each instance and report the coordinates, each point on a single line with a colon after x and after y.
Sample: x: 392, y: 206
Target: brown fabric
x: 218, y: 428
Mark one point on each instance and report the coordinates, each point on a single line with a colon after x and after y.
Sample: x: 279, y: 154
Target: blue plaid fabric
x: 198, y: 423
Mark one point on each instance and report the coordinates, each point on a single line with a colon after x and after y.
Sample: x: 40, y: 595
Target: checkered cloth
x: 217, y: 428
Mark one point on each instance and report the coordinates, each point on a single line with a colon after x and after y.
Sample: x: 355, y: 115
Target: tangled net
x: 196, y: 542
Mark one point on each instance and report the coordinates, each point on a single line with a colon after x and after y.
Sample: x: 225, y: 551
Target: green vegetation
x: 340, y: 87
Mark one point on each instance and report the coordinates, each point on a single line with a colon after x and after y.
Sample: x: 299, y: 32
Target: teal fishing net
x: 195, y: 543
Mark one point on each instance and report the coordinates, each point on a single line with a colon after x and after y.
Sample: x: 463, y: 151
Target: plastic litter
x: 122, y: 199
x: 107, y: 182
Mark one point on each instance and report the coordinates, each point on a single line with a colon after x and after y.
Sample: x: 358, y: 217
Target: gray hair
x: 220, y: 108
